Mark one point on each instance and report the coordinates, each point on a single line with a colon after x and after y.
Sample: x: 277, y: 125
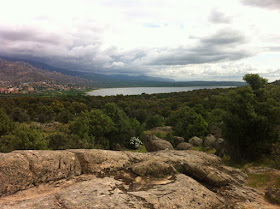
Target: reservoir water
x: 147, y: 90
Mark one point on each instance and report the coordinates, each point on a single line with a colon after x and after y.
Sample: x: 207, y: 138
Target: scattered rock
x: 196, y: 141
x: 177, y: 140
x: 216, y: 131
x: 216, y: 143
x: 153, y: 143
x: 210, y: 141
x: 184, y: 146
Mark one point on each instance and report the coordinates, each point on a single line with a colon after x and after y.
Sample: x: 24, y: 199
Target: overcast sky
x: 179, y: 39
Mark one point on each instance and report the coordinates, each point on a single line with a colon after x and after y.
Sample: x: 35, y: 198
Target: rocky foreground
x: 114, y: 179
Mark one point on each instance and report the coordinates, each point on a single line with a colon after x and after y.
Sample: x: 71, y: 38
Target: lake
x: 147, y: 90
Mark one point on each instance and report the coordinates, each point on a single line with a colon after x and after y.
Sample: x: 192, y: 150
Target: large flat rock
x: 112, y: 179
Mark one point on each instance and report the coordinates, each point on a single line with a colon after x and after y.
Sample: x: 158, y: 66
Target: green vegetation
x: 249, y: 117
x: 259, y: 180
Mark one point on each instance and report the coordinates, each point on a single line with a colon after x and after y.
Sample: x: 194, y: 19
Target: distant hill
x: 107, y: 81
x: 22, y: 72
x: 277, y: 82
x: 95, y: 77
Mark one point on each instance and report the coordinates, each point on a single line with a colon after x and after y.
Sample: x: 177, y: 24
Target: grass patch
x: 158, y: 133
x: 264, y: 180
x: 204, y: 149
x: 258, y: 180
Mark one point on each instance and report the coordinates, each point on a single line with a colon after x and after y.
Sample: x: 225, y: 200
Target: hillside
x: 120, y: 80
x: 22, y: 72
x: 277, y: 82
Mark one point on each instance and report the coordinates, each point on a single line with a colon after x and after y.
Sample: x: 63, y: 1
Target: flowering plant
x: 135, y: 142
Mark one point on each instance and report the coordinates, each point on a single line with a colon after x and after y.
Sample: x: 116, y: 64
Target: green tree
x: 23, y: 137
x: 255, y: 81
x: 64, y: 116
x: 57, y: 106
x: 80, y: 128
x: 187, y: 123
x: 250, y: 122
x: 100, y: 126
x: 124, y: 126
x: 60, y: 141
x: 154, y: 121
x: 6, y: 124
x: 20, y: 115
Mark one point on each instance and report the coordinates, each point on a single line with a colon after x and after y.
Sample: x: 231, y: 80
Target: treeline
x: 249, y: 117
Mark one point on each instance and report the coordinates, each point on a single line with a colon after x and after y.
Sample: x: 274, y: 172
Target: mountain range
x: 19, y: 70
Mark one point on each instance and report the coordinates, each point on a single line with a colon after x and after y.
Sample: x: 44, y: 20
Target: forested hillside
x: 248, y: 116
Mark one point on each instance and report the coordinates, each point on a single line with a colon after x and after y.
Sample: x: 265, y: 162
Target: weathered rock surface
x: 22, y: 169
x: 213, y: 142
x: 177, y: 140
x: 210, y: 141
x: 153, y: 143
x: 152, y: 167
x: 184, y: 146
x: 196, y: 141
x: 111, y: 179
x: 216, y: 143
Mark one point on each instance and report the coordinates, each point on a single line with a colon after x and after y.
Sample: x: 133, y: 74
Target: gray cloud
x: 219, y: 17
x: 85, y: 52
x: 222, y: 46
x: 268, y: 4
x: 28, y: 34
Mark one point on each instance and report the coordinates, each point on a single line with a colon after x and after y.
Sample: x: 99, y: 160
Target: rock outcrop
x: 111, y: 179
x: 196, y: 141
x: 177, y: 140
x: 153, y: 143
x: 184, y: 146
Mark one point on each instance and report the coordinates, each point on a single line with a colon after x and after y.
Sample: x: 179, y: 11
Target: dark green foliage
x: 124, y: 128
x: 6, y: 124
x: 57, y: 106
x: 60, y: 141
x: 154, y: 121
x: 45, y: 114
x: 255, y: 81
x: 20, y: 115
x: 23, y: 138
x: 187, y: 123
x: 251, y: 119
x: 65, y: 116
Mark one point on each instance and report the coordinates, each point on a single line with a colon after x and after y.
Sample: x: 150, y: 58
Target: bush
x: 23, y: 137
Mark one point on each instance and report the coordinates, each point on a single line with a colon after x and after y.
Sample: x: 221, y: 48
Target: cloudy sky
x: 179, y: 39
